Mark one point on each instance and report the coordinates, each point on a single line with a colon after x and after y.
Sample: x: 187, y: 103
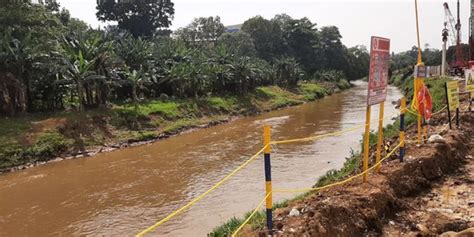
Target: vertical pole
x: 419, y: 127
x: 380, y: 136
x: 457, y: 117
x: 447, y: 103
x: 268, y: 178
x: 403, y: 106
x: 366, y: 142
x: 471, y: 97
x: 425, y: 131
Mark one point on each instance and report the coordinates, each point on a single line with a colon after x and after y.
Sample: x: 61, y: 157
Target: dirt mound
x: 363, y: 209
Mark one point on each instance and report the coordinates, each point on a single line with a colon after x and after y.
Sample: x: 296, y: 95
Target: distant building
x: 42, y: 1
x: 116, y: 1
x: 233, y: 28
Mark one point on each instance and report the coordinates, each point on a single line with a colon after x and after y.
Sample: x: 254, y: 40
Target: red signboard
x: 378, y: 73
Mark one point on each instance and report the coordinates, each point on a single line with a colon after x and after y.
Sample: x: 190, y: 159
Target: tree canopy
x: 142, y: 18
x: 51, y: 61
x: 202, y: 29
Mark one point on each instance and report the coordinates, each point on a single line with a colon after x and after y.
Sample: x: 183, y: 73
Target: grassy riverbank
x: 353, y: 163
x: 37, y: 138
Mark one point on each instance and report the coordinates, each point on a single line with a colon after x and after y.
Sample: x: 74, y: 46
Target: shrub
x: 47, y: 146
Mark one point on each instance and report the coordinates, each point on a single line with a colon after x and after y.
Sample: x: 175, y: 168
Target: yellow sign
x: 470, y: 81
x: 453, y: 94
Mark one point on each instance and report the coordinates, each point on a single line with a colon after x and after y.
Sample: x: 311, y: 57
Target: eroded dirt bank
x: 427, y: 195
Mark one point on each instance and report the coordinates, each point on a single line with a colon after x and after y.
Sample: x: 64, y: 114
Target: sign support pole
x: 380, y: 136
x: 366, y: 142
x: 471, y: 95
x: 457, y: 117
x: 419, y: 128
x: 449, y: 109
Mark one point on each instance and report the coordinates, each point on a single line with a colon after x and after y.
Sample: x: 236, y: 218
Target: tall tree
x: 267, y: 36
x: 140, y: 17
x: 300, y: 38
x: 332, y: 48
x: 239, y: 43
x: 202, y: 29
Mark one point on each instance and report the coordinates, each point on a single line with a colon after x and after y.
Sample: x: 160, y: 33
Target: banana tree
x: 136, y: 79
x: 94, y: 48
x: 80, y: 70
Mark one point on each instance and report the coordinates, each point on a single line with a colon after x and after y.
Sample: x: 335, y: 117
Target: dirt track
x: 432, y: 192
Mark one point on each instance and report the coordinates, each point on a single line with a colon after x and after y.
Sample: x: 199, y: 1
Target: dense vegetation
x: 50, y: 61
x: 66, y: 89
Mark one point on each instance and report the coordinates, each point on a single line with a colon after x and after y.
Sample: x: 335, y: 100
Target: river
x: 119, y: 193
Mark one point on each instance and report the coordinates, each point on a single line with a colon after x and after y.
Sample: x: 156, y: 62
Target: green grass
x: 166, y: 109
x: 312, y: 91
x: 258, y: 221
x: 222, y: 104
x: 343, y: 84
x: 12, y: 127
x: 48, y: 145
x: 178, y: 125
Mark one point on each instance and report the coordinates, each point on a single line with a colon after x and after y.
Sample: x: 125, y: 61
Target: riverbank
x: 353, y: 164
x: 419, y: 197
x: 35, y: 139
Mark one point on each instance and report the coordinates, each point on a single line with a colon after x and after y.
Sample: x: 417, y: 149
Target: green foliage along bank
x: 50, y: 61
x: 40, y: 137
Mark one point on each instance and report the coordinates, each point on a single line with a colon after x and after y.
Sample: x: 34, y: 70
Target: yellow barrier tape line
x: 311, y: 189
x: 441, y: 110
x: 251, y: 215
x: 340, y: 182
x: 416, y: 112
x: 195, y: 200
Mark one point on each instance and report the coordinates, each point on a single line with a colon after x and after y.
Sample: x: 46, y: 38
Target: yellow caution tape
x: 340, y: 182
x: 195, y: 200
x: 251, y: 215
x: 312, y: 189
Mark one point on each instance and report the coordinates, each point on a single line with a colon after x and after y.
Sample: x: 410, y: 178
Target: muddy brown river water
x: 122, y: 192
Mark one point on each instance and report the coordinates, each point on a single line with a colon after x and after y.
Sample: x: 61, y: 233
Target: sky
x: 357, y: 20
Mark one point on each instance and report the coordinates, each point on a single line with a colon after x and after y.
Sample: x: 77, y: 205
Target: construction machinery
x: 453, y: 31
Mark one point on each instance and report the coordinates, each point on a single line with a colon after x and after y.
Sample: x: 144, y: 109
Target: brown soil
x: 428, y: 194
x: 39, y: 127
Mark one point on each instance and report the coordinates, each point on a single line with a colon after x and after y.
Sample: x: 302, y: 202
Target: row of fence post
x: 268, y: 149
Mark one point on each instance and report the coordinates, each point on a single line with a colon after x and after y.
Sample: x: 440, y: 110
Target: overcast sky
x: 357, y: 20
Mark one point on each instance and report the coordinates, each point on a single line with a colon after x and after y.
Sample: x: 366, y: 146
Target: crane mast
x: 471, y: 37
x: 453, y: 31
x: 459, y: 55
